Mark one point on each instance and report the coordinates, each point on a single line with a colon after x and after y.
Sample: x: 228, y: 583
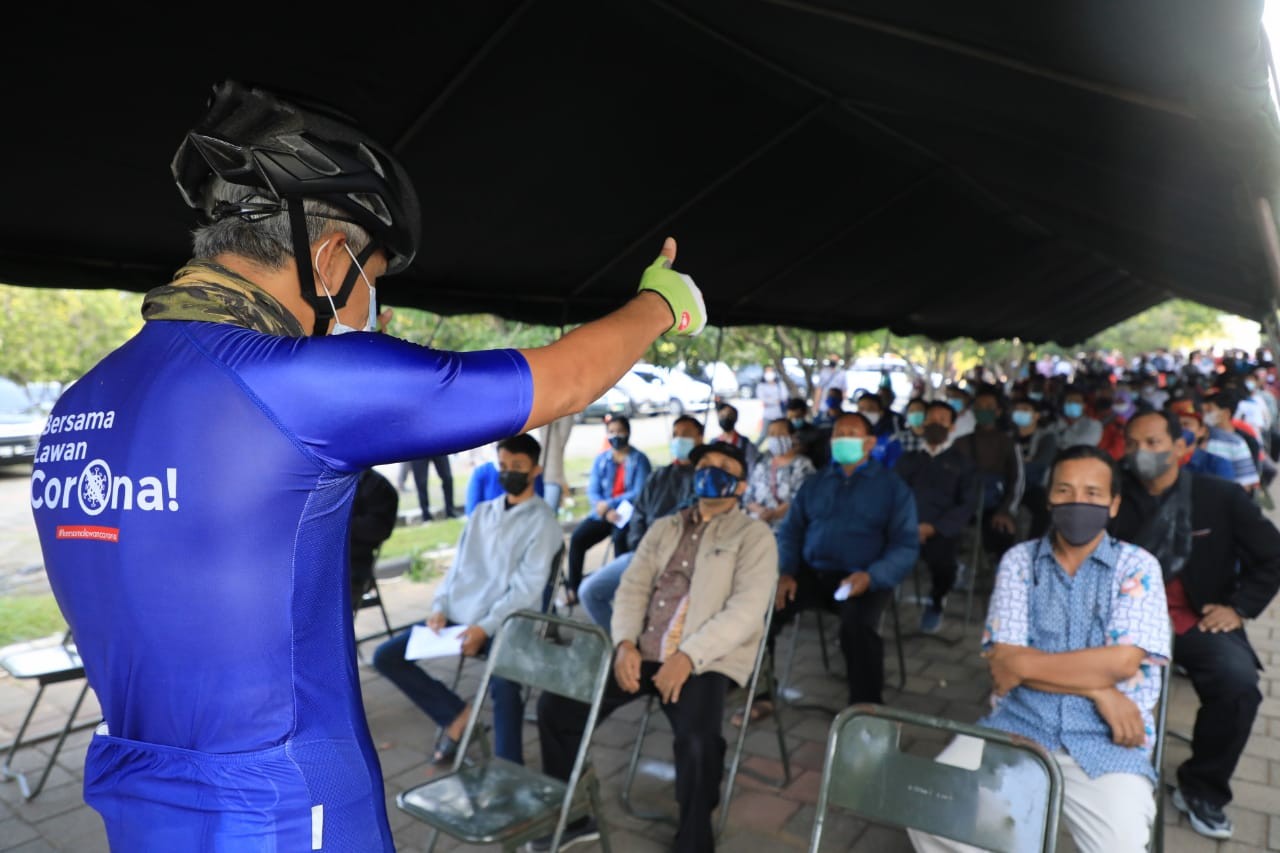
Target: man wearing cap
x: 1195, y: 435
x: 199, y: 555
x: 687, y: 621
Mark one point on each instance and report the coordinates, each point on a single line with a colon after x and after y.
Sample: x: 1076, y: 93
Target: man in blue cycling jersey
x: 192, y: 491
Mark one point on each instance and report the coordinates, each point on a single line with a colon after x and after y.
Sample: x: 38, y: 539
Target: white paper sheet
x: 842, y: 594
x: 425, y: 643
x: 624, y: 510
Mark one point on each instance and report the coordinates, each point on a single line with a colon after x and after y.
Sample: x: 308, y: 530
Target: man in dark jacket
x: 942, y: 480
x: 373, y: 517
x: 999, y: 464
x: 850, y: 537
x: 1221, y: 562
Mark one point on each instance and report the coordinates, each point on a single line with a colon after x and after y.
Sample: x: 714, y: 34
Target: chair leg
x: 57, y: 747
x: 593, y: 796
x: 635, y: 765
x: 17, y: 740
x: 897, y: 638
x: 822, y: 641
x: 791, y: 655
x: 435, y: 837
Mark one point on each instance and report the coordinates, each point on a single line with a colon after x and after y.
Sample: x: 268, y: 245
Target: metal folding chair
x: 492, y: 801
x: 1010, y: 803
x: 548, y: 605
x: 53, y: 665
x: 763, y: 666
x: 1157, y: 757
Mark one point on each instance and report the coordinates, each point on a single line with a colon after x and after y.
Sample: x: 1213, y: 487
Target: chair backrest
x: 1010, y: 802
x: 568, y: 661
x: 569, y: 658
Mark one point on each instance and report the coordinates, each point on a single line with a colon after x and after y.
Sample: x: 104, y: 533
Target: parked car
x: 44, y: 394
x: 867, y: 374
x: 686, y: 394
x: 614, y: 402
x: 21, y: 423
x: 646, y: 389
x: 720, y: 375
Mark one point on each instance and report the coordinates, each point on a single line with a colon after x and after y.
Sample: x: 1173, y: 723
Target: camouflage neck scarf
x: 205, y: 291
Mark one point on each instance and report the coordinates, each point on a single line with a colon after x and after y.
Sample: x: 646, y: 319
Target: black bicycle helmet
x: 282, y: 153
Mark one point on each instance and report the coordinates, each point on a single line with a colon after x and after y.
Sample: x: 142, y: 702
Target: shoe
x: 931, y: 619
x: 578, y: 832
x: 1206, y: 819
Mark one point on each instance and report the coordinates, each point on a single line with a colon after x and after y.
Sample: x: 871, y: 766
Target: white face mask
x: 339, y: 327
x: 779, y: 445
x: 1213, y: 418
x: 872, y: 417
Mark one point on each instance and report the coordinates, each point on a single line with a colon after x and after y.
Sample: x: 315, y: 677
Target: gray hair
x: 267, y: 241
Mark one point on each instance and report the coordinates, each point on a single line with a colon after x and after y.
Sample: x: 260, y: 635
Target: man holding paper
x: 502, y: 566
x: 850, y: 536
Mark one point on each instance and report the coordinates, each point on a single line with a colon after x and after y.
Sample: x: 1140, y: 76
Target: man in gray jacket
x: 687, y: 621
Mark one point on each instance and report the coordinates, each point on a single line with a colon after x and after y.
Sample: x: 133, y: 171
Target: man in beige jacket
x: 687, y: 621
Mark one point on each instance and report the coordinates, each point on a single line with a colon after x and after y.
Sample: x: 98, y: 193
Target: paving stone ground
x: 943, y: 678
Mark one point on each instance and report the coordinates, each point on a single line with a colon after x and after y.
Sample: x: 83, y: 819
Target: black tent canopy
x: 1001, y: 169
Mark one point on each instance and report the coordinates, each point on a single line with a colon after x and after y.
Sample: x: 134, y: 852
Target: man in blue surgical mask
x: 850, y: 536
x: 665, y: 491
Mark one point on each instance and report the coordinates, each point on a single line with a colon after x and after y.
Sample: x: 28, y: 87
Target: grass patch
x: 29, y: 617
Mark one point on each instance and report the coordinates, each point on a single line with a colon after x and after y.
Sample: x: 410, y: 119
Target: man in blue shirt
x: 850, y: 537
x: 502, y: 565
x: 1077, y: 636
x: 617, y: 477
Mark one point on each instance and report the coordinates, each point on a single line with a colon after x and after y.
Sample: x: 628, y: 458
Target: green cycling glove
x: 681, y: 295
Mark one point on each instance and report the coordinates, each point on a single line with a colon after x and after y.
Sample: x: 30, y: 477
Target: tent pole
x: 715, y: 361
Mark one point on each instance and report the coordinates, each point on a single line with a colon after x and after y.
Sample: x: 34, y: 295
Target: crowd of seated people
x: 1127, y: 491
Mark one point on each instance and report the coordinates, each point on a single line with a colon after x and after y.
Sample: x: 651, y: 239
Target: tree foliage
x: 1171, y: 325
x: 57, y: 335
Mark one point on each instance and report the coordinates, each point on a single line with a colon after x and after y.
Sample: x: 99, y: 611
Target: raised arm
x: 571, y: 373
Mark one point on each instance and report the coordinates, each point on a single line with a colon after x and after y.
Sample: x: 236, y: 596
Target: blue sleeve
x: 790, y: 533
x: 478, y: 488
x: 538, y: 487
x: 902, y: 541
x: 359, y: 400
x: 640, y: 474
x: 595, y: 483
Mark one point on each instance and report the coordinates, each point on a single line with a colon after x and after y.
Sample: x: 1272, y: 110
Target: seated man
x: 1076, y: 637
x: 617, y: 476
x: 1225, y: 440
x: 686, y: 623
x: 852, y: 525
x: 941, y: 478
x: 1038, y: 445
x: 812, y: 441
x: 373, y: 518
x: 998, y: 461
x: 486, y: 484
x: 501, y: 566
x: 1221, y: 563
x: 728, y: 418
x: 1195, y: 435
x: 666, y: 490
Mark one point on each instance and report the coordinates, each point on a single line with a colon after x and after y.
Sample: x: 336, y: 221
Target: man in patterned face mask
x: 687, y: 622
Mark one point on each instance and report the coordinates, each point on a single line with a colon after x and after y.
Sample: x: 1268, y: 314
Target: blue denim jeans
x: 443, y: 706
x: 597, y: 591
